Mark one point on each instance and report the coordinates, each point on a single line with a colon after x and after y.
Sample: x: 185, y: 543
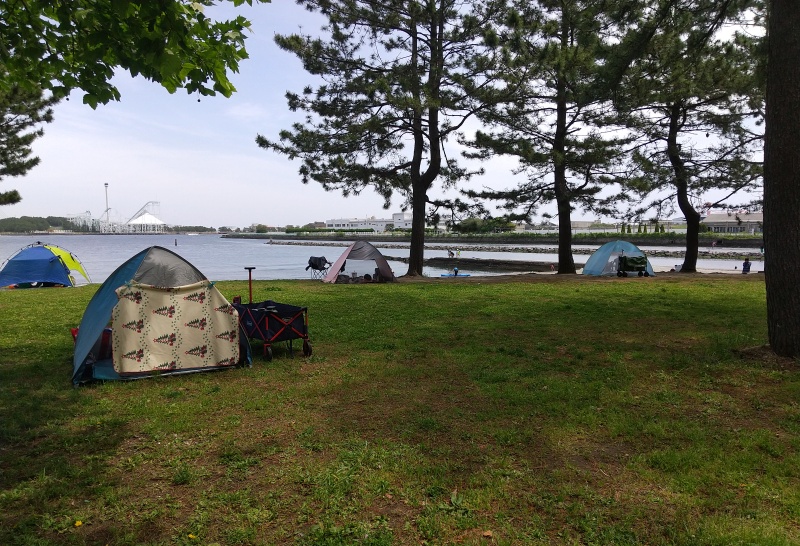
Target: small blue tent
x: 152, y: 273
x: 618, y: 258
x: 39, y: 265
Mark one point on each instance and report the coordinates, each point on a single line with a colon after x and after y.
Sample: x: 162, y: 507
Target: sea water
x: 221, y: 258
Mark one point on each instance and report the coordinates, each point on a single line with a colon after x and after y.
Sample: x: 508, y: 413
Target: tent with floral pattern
x: 156, y: 315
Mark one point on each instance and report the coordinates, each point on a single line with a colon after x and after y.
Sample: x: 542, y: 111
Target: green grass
x: 566, y: 411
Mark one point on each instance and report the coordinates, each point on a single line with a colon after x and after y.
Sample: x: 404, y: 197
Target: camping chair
x: 318, y: 266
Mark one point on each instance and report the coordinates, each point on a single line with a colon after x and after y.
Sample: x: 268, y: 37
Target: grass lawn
x: 550, y: 411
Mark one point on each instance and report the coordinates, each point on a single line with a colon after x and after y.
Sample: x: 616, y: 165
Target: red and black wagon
x: 273, y: 322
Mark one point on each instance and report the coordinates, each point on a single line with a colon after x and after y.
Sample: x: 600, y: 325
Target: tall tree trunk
x: 681, y: 183
x: 416, y: 256
x: 421, y: 182
x: 692, y: 234
x: 782, y: 179
x: 566, y: 263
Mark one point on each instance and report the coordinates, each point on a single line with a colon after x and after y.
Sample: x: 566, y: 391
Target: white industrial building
x: 399, y: 220
x: 735, y: 222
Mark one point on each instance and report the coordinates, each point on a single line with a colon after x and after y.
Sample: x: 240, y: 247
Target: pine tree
x: 22, y: 114
x: 397, y: 80
x: 694, y: 99
x: 552, y: 117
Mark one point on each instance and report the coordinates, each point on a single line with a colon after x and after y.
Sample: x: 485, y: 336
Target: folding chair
x: 319, y: 266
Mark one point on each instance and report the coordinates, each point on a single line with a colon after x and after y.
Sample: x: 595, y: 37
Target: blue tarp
x: 605, y: 260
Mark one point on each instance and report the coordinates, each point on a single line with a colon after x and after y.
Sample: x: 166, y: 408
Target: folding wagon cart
x: 632, y: 265
x: 272, y: 322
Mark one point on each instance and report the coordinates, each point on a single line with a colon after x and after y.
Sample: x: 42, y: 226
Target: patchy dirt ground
x: 767, y: 358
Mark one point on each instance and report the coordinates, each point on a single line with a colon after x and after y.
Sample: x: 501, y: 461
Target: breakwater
x: 715, y: 253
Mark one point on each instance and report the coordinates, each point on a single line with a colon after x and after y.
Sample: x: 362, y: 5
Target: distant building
x: 399, y: 220
x: 734, y: 222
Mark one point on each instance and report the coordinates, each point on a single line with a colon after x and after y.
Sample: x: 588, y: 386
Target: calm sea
x: 226, y: 259
x: 215, y: 257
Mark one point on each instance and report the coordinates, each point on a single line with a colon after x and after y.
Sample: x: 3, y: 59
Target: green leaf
x: 91, y: 100
x: 170, y: 65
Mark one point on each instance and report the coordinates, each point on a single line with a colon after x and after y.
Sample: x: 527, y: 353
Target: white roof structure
x: 146, y: 223
x: 145, y: 219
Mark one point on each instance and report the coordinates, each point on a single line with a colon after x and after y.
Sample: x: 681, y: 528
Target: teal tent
x: 618, y: 258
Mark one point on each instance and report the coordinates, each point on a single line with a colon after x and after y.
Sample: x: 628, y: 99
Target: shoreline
x: 704, y: 254
x: 677, y: 240
x: 518, y: 267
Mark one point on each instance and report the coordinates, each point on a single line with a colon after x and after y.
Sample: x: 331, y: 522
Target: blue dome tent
x: 38, y: 265
x: 618, y: 258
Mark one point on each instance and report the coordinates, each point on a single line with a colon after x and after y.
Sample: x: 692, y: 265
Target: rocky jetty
x: 705, y: 253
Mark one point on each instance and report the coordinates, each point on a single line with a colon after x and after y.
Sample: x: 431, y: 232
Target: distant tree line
x: 25, y: 224
x: 192, y: 229
x: 484, y: 225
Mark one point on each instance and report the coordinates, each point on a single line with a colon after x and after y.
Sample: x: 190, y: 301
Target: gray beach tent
x: 361, y: 250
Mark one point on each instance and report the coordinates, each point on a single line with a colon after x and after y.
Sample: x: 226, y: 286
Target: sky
x: 197, y: 160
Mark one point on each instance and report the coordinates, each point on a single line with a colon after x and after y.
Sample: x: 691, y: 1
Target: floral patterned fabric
x: 171, y: 329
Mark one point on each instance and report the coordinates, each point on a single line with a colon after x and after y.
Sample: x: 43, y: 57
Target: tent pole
x: 250, y: 281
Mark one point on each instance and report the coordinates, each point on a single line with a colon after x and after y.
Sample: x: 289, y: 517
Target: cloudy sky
x: 198, y: 160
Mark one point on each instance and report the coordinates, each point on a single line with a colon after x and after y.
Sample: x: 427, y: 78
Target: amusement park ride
x: 146, y: 220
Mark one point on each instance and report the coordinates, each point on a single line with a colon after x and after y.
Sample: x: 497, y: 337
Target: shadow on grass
x: 48, y: 455
x: 50, y: 452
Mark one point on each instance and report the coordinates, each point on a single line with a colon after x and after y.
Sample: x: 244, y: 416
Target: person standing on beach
x: 746, y: 266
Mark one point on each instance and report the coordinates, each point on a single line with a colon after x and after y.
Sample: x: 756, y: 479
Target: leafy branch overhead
x: 59, y: 46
